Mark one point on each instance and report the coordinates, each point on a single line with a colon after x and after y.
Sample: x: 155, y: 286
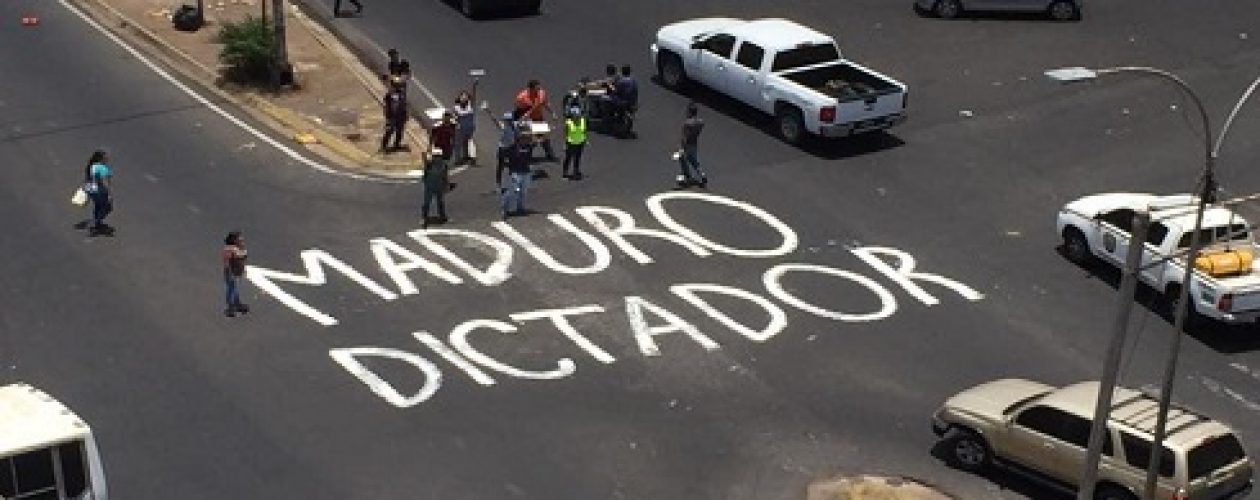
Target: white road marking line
x: 151, y: 178
x: 194, y: 209
x: 1243, y: 368
x: 220, y: 111
x: 1221, y: 389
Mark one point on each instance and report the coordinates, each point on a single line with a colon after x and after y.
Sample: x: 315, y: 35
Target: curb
x: 282, y: 120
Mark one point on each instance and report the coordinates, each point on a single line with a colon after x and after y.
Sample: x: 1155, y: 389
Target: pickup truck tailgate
x: 861, y: 94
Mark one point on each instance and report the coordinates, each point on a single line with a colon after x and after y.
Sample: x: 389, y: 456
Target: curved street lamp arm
x: 1185, y: 87
x: 1220, y: 139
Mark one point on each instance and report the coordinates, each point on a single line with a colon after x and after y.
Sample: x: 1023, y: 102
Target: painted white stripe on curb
x: 220, y: 111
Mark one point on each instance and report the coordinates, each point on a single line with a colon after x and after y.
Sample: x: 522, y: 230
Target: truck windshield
x: 805, y: 55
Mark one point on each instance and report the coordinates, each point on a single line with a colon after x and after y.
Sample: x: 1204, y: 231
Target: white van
x: 46, y: 451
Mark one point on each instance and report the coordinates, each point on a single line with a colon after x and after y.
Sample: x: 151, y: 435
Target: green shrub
x: 247, y: 49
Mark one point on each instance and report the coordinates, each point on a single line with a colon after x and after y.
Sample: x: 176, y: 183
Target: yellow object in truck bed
x: 1225, y: 262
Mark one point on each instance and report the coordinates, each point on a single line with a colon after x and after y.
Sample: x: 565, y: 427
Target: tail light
x: 1181, y: 494
x: 827, y: 114
x: 1226, y: 303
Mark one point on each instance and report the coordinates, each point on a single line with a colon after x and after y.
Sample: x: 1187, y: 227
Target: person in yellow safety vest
x: 575, y: 141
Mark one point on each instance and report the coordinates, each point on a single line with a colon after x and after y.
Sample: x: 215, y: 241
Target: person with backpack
x: 98, y: 183
x: 233, y: 257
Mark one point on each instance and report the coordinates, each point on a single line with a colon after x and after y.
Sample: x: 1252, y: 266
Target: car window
x: 1156, y: 234
x: 750, y: 55
x: 1121, y: 218
x: 805, y: 55
x: 1137, y: 452
x: 1213, y: 454
x: 1060, y: 425
x: 29, y: 475
x: 73, y: 469
x: 1209, y: 235
x: 720, y: 44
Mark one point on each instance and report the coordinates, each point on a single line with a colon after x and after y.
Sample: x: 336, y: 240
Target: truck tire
x: 1075, y: 246
x: 669, y: 68
x: 1172, y: 296
x: 1063, y: 10
x: 791, y: 123
x: 947, y: 9
x: 968, y: 450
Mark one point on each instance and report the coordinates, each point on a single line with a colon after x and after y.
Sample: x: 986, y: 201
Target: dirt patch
x: 873, y: 488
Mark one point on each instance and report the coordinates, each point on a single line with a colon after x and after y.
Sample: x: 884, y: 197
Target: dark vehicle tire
x: 1075, y: 246
x: 1113, y: 492
x: 921, y: 11
x: 669, y: 68
x: 791, y: 124
x: 1063, y: 10
x: 947, y: 9
x: 968, y: 451
x: 534, y: 9
x: 1172, y: 296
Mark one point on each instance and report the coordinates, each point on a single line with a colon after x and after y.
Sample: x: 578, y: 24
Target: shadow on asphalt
x: 828, y: 149
x: 1223, y: 338
x: 1009, y: 480
x: 500, y: 14
x: 980, y: 15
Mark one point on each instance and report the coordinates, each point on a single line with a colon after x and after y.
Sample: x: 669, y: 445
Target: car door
x: 712, y: 59
x: 1040, y: 438
x: 1114, y: 228
x: 744, y: 79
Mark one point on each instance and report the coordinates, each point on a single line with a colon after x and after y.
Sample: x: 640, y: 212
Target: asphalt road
x: 128, y: 331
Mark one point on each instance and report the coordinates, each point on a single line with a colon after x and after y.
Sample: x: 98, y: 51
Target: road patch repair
x: 873, y: 488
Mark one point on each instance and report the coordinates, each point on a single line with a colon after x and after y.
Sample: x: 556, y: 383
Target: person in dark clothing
x: 436, y: 181
x: 233, y: 258
x: 689, y: 155
x: 442, y: 137
x: 395, y: 109
x: 98, y: 184
x: 627, y: 90
x: 519, y: 177
x: 509, y: 130
x: 358, y: 8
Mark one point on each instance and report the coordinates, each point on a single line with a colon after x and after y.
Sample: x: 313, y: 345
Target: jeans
x: 233, y: 290
x: 431, y: 196
x: 518, y: 184
x: 102, y: 205
x: 573, y: 152
x: 461, y: 151
x: 394, y: 129
x: 690, y: 162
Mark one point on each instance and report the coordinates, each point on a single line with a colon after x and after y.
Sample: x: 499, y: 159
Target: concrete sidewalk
x: 334, y: 108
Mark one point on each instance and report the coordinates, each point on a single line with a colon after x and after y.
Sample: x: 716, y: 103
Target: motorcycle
x: 603, y: 113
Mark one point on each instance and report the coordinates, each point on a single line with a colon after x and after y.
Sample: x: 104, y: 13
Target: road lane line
x: 220, y: 111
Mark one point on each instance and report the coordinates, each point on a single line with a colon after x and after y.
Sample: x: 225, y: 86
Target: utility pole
x: 1111, y: 366
x: 280, y: 72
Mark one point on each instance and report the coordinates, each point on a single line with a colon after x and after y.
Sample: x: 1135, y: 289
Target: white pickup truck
x: 1099, y: 226
x: 783, y: 69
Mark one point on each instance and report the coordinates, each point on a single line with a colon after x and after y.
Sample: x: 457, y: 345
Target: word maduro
x: 647, y: 321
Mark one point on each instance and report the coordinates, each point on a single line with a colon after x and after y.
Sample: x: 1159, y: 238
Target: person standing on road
x: 575, y: 142
x: 233, y: 257
x: 689, y: 154
x: 436, y: 181
x: 509, y: 130
x: 465, y: 125
x: 395, y: 109
x: 519, y: 177
x: 99, y: 180
x: 533, y: 101
x: 358, y: 8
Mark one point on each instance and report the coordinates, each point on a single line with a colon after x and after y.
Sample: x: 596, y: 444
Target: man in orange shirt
x: 531, y: 102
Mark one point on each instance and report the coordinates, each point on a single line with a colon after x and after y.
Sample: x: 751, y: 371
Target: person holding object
x: 519, y: 177
x: 689, y: 154
x: 98, y: 184
x: 233, y: 257
x: 436, y: 181
x: 465, y: 125
x: 532, y: 100
x: 575, y: 142
x: 395, y: 110
x: 509, y: 130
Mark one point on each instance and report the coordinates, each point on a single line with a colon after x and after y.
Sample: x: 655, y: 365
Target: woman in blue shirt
x: 97, y: 183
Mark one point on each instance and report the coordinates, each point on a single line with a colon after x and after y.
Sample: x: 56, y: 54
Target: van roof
x: 30, y: 419
x: 1136, y: 412
x: 779, y: 34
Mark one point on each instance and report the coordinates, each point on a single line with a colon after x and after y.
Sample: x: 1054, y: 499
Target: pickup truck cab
x: 783, y: 69
x: 46, y: 451
x: 1099, y: 226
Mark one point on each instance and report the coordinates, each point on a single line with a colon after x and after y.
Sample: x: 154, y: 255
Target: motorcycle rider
x: 626, y: 97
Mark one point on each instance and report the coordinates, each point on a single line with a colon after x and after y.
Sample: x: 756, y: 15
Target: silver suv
x: 1038, y: 428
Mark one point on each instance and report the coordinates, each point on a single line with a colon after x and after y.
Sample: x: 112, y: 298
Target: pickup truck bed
x: 857, y: 84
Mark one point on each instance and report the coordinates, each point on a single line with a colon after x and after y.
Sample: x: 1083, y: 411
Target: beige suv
x: 1038, y: 428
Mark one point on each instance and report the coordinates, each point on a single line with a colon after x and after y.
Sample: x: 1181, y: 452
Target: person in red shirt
x: 532, y: 102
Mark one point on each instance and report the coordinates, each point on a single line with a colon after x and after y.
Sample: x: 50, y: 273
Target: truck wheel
x: 791, y: 124
x: 1172, y: 297
x: 1075, y: 246
x: 947, y: 9
x: 1063, y: 10
x: 967, y: 450
x: 1113, y: 492
x: 670, y: 69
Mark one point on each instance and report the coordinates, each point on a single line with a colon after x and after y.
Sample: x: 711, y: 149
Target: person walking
x: 519, y: 177
x: 532, y: 100
x: 358, y: 8
x: 575, y: 142
x: 689, y: 156
x: 233, y: 257
x: 98, y: 184
x: 465, y: 125
x: 395, y: 111
x: 436, y: 181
